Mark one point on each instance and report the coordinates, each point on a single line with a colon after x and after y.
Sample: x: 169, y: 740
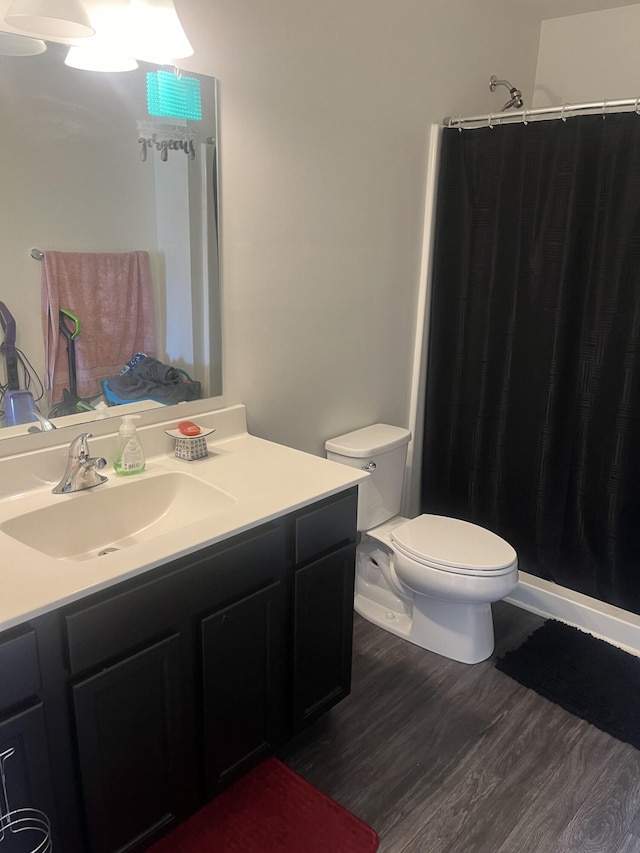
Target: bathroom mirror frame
x: 45, y: 115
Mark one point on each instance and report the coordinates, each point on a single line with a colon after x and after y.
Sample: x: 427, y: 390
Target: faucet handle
x: 80, y: 446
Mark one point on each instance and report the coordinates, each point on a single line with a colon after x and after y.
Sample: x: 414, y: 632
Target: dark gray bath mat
x: 588, y: 677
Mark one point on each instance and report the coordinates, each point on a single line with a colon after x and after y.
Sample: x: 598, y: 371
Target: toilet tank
x: 382, y: 450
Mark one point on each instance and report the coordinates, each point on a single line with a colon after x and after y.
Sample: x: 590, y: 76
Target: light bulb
x: 154, y: 32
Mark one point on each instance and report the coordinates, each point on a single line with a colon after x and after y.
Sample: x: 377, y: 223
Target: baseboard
x: 552, y: 601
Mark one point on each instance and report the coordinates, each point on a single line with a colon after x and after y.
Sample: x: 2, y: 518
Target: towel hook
x: 37, y: 254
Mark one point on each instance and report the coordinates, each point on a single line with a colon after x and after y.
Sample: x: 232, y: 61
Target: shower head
x: 515, y: 101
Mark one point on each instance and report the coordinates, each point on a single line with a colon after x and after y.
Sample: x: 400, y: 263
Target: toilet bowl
x: 445, y: 586
x: 430, y: 580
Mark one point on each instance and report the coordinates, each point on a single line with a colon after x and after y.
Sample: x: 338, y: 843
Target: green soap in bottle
x: 129, y: 455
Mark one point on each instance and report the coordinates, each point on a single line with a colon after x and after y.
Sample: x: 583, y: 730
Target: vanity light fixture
x: 56, y: 19
x: 96, y: 58
x: 104, y: 51
x: 11, y: 44
x: 154, y: 32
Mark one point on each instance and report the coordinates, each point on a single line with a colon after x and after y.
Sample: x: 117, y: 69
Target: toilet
x: 431, y: 579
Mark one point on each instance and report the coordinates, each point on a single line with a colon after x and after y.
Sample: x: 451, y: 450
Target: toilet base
x: 392, y: 621
x: 460, y: 632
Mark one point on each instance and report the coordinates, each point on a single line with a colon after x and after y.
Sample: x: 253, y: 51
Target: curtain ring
x: 637, y: 110
x: 562, y: 113
x: 604, y: 109
x: 459, y: 124
x: 490, y: 122
x: 524, y: 118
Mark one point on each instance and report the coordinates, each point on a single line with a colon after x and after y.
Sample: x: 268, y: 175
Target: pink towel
x: 112, y: 296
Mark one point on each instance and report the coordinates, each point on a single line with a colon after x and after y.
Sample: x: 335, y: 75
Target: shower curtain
x: 532, y: 420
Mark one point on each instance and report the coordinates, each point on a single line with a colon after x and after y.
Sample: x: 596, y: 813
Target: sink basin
x: 107, y: 518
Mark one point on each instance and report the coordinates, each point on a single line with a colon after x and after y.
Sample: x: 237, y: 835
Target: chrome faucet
x: 81, y: 472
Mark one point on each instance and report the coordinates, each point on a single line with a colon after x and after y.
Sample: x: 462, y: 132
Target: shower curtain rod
x: 563, y: 111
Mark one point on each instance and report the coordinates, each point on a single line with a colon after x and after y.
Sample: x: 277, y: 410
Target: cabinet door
x: 27, y: 771
x: 323, y: 628
x: 130, y: 729
x: 242, y: 654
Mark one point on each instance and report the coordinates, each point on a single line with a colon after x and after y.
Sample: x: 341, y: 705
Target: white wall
x: 589, y: 57
x: 325, y: 114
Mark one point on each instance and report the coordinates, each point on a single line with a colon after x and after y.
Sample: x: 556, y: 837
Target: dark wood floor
x: 440, y: 757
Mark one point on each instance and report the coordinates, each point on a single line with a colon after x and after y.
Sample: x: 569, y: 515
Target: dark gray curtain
x: 533, y: 392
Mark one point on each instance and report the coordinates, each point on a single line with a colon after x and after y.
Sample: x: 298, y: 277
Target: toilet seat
x: 453, y: 545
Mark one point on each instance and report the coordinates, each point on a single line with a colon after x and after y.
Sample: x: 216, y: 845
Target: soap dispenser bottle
x: 129, y: 455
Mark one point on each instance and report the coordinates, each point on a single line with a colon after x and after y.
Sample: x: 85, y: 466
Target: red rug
x: 271, y: 810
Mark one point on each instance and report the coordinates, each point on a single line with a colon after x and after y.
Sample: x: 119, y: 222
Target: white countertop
x: 266, y: 480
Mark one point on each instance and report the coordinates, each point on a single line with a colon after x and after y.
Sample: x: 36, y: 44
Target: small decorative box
x: 190, y: 447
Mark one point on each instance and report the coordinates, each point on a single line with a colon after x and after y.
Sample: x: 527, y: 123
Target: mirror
x: 85, y: 168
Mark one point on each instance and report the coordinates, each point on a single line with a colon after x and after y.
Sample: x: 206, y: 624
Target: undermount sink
x: 97, y: 521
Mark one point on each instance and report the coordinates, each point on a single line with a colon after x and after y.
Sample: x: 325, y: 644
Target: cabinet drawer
x: 115, y: 624
x: 326, y: 525
x: 111, y: 626
x: 19, y: 669
x: 248, y: 563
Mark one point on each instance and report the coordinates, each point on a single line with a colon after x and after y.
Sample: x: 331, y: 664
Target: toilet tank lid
x: 368, y: 441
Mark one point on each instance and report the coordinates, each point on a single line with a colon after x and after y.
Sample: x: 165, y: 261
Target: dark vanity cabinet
x: 242, y: 685
x: 130, y: 734
x: 25, y: 762
x: 322, y: 609
x: 240, y: 654
x: 170, y: 685
x: 162, y: 690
